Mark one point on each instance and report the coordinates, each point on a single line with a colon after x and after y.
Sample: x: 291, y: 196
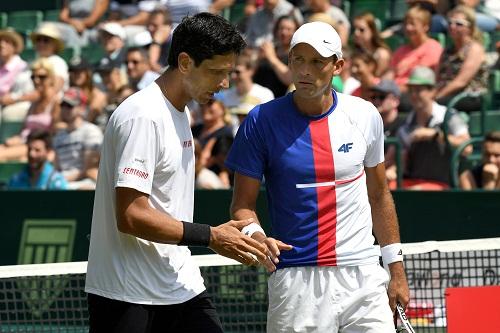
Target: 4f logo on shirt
x: 345, y: 147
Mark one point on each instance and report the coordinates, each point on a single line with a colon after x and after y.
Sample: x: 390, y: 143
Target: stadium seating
x: 25, y: 21
x: 380, y: 9
x: 7, y: 169
x: 3, y: 20
x: 459, y: 163
x: 92, y: 53
x: 10, y: 128
x: 51, y: 15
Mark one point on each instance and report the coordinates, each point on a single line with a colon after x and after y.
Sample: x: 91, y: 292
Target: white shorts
x: 329, y: 299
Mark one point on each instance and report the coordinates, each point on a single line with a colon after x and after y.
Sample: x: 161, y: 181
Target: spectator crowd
x: 426, y: 73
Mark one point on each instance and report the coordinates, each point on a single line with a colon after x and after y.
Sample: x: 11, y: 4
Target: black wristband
x: 195, y: 234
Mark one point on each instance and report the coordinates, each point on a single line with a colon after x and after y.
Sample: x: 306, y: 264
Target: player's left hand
x: 274, y: 247
x: 398, y: 290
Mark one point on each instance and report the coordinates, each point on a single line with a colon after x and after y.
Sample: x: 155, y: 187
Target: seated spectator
x: 14, y: 77
x: 385, y: 96
x: 204, y: 178
x: 486, y: 175
x: 39, y: 173
x: 463, y: 66
x: 112, y: 38
x: 79, y: 20
x: 77, y: 146
x: 261, y: 23
x: 244, y: 90
x: 48, y: 43
x: 215, y: 126
x: 367, y: 39
x: 42, y: 114
x: 345, y: 82
x: 117, y: 89
x: 159, y: 27
x: 426, y: 150
x: 338, y: 17
x: 138, y: 69
x: 80, y: 76
x: 421, y: 50
x: 272, y: 69
x: 363, y: 69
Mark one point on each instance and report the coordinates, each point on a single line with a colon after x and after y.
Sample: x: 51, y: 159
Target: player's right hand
x: 227, y: 240
x: 274, y: 246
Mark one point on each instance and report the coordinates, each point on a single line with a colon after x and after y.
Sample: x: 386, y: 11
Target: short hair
x: 420, y: 13
x: 247, y: 60
x: 167, y: 20
x: 142, y: 51
x: 39, y: 134
x: 43, y: 63
x: 203, y: 36
x: 493, y: 136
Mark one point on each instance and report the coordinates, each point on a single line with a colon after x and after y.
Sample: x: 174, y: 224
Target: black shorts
x: 198, y: 315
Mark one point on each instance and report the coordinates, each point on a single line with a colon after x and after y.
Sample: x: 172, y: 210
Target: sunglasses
x: 380, y: 97
x: 458, y: 22
x: 43, y: 39
x: 38, y: 77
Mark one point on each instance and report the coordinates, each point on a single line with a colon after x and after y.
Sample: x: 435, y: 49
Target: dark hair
x: 493, y: 136
x: 203, y: 36
x: 283, y: 18
x: 142, y: 51
x: 38, y: 134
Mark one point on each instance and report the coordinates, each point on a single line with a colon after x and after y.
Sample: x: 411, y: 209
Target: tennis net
x: 50, y: 297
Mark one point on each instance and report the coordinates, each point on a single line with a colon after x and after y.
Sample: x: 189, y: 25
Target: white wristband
x: 250, y: 229
x: 391, y: 253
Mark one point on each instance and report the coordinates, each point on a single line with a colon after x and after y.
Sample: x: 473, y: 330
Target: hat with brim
x: 14, y: 37
x: 50, y: 31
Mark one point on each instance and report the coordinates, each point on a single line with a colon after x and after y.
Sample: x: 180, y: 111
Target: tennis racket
x: 404, y: 320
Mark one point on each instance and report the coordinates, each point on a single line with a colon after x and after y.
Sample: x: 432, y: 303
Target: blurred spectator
x: 159, y: 27
x: 367, y: 38
x: 463, y: 66
x: 421, y: 50
x: 340, y: 20
x: 117, y: 89
x: 77, y: 146
x: 48, y: 43
x: 363, y: 69
x: 39, y: 173
x: 244, y: 93
x: 138, y: 70
x: 487, y: 174
x: 112, y: 37
x: 42, y: 113
x: 204, y: 178
x: 79, y: 19
x: 261, y: 24
x: 80, y: 76
x: 272, y: 70
x: 345, y: 82
x: 215, y: 127
x: 427, y: 152
x: 385, y: 96
x: 14, y: 77
x: 485, y: 21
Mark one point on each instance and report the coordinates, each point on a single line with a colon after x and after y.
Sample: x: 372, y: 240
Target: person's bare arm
x: 100, y: 8
x: 466, y: 181
x: 243, y: 206
x: 64, y: 13
x: 219, y: 5
x: 386, y: 230
x: 140, y: 19
x: 467, y: 71
x: 281, y: 70
x: 91, y: 164
x: 135, y: 216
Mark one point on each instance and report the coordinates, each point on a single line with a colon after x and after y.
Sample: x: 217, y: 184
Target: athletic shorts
x: 329, y: 299
x: 198, y: 315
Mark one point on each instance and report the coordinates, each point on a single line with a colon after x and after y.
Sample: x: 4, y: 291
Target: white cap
x: 322, y: 36
x: 114, y: 29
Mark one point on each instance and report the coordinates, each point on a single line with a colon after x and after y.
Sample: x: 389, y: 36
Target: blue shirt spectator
x: 49, y: 179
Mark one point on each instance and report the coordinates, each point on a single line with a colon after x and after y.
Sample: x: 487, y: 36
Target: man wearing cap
x: 14, y: 76
x: 425, y: 148
x: 321, y: 154
x: 112, y: 37
x: 77, y: 146
x: 385, y: 96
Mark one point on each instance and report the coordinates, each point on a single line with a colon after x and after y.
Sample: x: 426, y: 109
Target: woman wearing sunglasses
x: 463, y: 65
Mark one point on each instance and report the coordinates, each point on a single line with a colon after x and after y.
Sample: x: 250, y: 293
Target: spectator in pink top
x: 421, y: 50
